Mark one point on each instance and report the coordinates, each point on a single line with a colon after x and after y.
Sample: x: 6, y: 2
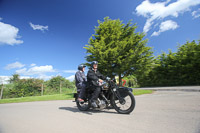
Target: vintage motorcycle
x: 120, y: 98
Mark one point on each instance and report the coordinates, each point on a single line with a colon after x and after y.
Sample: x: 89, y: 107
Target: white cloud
x: 196, y: 13
x: 41, y: 69
x: 14, y: 65
x: 71, y: 78
x: 166, y: 25
x: 44, y: 77
x: 22, y: 71
x: 70, y: 71
x: 1, y: 18
x: 32, y: 65
x: 9, y: 34
x: 160, y: 10
x: 36, y: 70
x: 38, y: 27
x: 25, y: 77
x: 4, y: 79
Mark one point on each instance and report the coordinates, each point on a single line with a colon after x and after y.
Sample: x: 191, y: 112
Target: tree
x: 26, y: 87
x: 55, y: 82
x: 188, y: 60
x: 119, y: 49
x: 179, y: 68
x: 14, y: 78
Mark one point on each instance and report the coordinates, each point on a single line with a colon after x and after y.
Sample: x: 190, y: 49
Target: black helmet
x: 94, y: 62
x: 80, y: 67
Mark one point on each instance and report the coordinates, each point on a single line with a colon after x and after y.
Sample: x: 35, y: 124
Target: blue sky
x: 43, y: 38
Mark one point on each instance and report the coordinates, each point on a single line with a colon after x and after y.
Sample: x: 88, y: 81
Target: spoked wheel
x: 83, y: 106
x: 125, y: 103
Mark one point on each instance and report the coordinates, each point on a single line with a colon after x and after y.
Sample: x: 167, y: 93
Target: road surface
x: 160, y: 112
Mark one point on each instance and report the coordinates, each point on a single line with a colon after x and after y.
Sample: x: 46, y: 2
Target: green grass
x: 38, y: 98
x: 140, y: 92
x: 68, y: 96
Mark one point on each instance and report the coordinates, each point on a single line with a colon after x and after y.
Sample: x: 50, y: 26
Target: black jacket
x: 93, y: 77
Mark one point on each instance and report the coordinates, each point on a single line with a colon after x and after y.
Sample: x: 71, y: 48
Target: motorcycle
x: 120, y: 98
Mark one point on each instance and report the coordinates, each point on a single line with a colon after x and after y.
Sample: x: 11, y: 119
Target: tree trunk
x: 42, y: 89
x: 1, y: 96
x: 60, y: 87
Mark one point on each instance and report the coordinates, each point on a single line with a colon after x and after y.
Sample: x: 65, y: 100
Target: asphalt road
x: 160, y: 112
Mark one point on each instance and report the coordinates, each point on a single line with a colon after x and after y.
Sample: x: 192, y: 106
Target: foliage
x: 26, y: 87
x: 119, y: 49
x: 6, y: 90
x: 14, y: 78
x: 33, y: 87
x: 56, y: 82
x: 131, y: 81
x: 180, y: 68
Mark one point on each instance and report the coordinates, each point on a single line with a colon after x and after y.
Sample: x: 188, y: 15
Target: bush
x: 180, y: 68
x: 26, y: 87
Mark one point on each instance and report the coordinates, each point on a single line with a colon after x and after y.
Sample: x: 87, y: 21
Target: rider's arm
x: 101, y: 76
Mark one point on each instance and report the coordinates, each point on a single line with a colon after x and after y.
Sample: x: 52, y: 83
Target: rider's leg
x: 82, y: 92
x: 95, y: 96
x: 79, y: 92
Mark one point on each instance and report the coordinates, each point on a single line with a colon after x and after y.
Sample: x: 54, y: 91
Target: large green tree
x: 119, y: 49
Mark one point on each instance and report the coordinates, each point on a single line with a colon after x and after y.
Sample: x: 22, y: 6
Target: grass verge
x: 140, y: 92
x: 38, y: 98
x: 68, y: 96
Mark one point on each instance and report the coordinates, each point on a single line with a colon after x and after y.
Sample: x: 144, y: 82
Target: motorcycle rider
x: 95, y: 79
x: 80, y: 81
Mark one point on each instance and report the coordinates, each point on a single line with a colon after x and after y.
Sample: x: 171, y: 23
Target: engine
x: 102, y: 104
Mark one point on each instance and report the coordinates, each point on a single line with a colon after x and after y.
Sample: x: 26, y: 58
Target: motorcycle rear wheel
x: 83, y: 106
x: 126, y: 105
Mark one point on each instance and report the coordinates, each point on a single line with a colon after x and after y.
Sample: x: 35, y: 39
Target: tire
x: 123, y: 107
x: 83, y: 106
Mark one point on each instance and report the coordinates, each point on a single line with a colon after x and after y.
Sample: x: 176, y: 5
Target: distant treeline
x: 175, y: 69
x: 35, y: 87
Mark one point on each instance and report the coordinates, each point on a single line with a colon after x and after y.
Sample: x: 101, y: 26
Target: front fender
x: 126, y: 89
x: 122, y: 91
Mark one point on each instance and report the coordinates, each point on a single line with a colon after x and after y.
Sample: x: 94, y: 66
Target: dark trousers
x: 82, y: 91
x: 96, y: 93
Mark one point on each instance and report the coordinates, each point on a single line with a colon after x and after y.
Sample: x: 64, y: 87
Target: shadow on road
x: 89, y: 112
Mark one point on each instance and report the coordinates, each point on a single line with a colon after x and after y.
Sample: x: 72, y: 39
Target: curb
x: 175, y: 88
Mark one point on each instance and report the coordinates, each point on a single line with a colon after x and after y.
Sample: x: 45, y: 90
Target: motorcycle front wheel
x: 124, y: 103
